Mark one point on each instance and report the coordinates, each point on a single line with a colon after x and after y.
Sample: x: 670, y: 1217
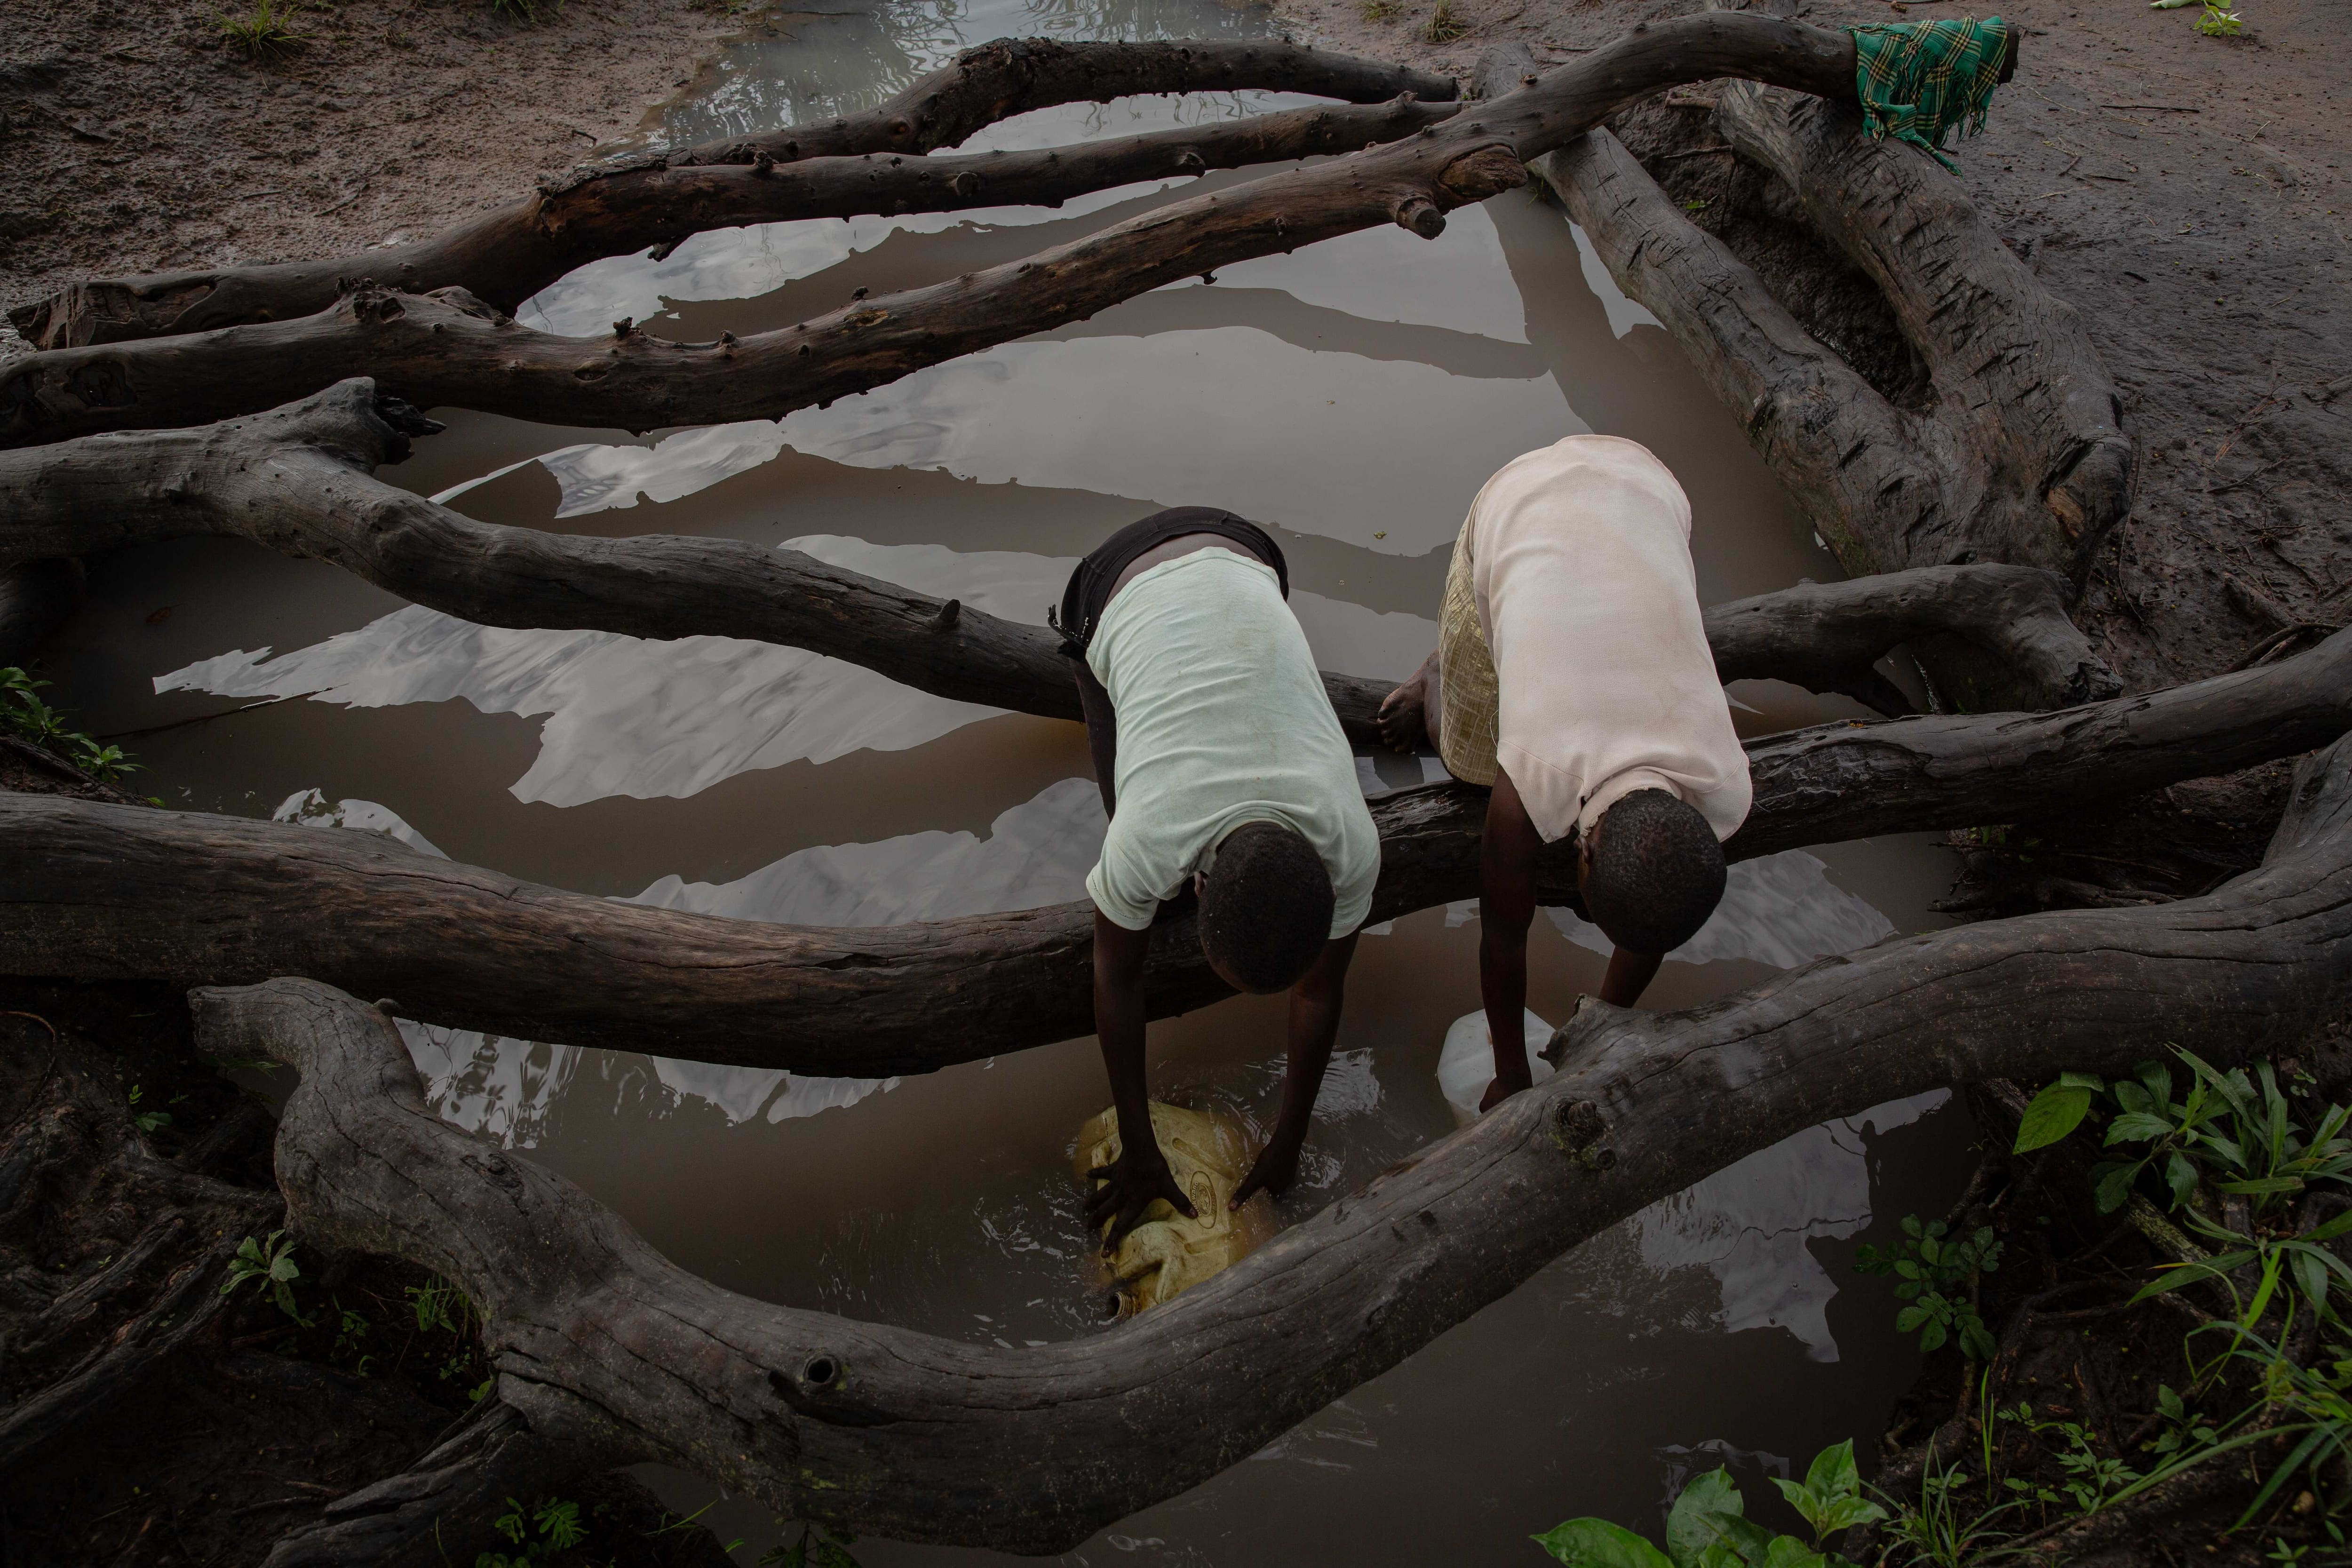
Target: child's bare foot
x: 1404, y: 718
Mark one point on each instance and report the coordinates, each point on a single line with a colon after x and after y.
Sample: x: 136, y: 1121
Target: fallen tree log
x: 632, y: 202
x: 877, y: 1430
x: 447, y: 347
x: 299, y: 481
x: 89, y: 892
x: 2019, y: 457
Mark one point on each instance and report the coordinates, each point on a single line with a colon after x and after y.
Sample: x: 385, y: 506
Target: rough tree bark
x: 877, y: 1429
x: 298, y: 479
x: 2021, y: 456
x: 628, y: 202
x: 448, y: 347
x: 92, y: 891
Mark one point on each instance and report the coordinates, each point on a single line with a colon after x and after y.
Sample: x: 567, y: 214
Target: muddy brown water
x: 1352, y: 396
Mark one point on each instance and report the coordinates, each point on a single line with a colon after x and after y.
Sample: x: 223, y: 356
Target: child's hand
x: 1276, y: 1168
x: 1129, y: 1185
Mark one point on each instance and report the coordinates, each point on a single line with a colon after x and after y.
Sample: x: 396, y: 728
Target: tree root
x: 97, y: 891
x: 448, y: 346
x: 299, y: 480
x: 81, y: 1333
x: 862, y: 1426
x: 860, y: 164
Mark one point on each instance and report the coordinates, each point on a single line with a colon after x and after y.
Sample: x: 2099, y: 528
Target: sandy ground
x: 2192, y: 197
x: 133, y: 140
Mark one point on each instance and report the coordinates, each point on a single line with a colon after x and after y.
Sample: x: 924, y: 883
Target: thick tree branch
x: 298, y: 480
x: 2015, y: 376
x: 448, y: 347
x: 878, y: 1429
x: 860, y: 165
x: 98, y: 891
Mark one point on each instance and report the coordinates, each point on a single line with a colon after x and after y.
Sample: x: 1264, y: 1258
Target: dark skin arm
x: 1315, y: 1004
x: 1507, y: 907
x: 1131, y: 1184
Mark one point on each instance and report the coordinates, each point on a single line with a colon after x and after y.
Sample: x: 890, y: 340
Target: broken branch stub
x: 872, y: 1428
x: 95, y: 891
x: 871, y: 164
x: 448, y: 347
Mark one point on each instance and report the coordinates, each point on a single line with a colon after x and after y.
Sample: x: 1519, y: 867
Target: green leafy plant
x: 437, y: 1304
x: 1937, y: 1275
x: 1939, y: 1531
x: 1445, y: 26
x: 2091, y: 1479
x: 147, y: 1122
x: 2235, y: 1133
x: 271, y: 1265
x: 817, y: 1548
x: 1829, y: 1498
x: 25, y: 716
x: 2217, y: 23
x: 350, y: 1337
x: 1709, y: 1527
x: 265, y: 31
x: 538, y: 1532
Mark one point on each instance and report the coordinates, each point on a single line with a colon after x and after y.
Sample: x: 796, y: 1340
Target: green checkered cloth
x: 1917, y: 80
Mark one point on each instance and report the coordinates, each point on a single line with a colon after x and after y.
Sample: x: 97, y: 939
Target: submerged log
x: 448, y: 347
x: 628, y: 202
x: 95, y: 891
x: 2021, y: 457
x: 299, y: 481
x: 877, y: 1430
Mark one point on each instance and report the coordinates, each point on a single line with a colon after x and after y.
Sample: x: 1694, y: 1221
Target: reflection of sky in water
x: 625, y: 716
x: 1747, y: 1225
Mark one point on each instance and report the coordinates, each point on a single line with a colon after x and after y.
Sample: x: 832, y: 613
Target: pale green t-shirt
x: 1222, y: 719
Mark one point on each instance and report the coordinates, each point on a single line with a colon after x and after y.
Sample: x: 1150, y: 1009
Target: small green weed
x: 1937, y: 1276
x: 147, y: 1122
x: 2217, y: 23
x: 1444, y: 25
x: 1377, y: 10
x: 27, y: 718
x: 265, y: 31
x: 270, y: 1265
x: 538, y: 1532
x: 817, y: 1548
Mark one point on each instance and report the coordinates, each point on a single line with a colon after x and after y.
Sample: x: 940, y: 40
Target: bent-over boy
x: 1224, y: 773
x: 1572, y: 674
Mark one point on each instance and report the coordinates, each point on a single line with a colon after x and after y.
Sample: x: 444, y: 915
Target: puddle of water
x: 1352, y: 398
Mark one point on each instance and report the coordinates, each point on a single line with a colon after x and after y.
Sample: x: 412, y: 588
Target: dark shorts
x: 1090, y: 585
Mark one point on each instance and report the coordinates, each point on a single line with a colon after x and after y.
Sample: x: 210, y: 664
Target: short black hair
x: 1657, y: 873
x: 1265, y: 907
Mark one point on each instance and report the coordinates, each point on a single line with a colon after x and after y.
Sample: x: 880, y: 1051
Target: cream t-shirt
x: 1222, y: 719
x: 1581, y: 565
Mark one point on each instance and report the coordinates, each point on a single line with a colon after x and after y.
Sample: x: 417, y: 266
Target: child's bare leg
x: 1404, y: 718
